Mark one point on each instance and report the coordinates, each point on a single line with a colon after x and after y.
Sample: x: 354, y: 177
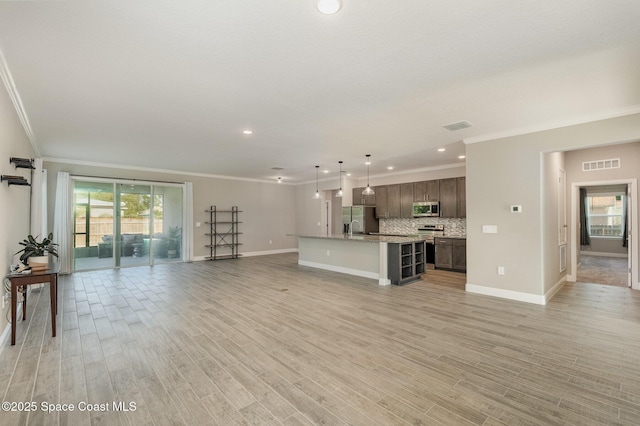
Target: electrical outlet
x: 328, y: 252
x: 270, y: 242
x: 500, y: 270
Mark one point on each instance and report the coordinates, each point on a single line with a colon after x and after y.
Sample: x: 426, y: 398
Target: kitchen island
x: 361, y: 255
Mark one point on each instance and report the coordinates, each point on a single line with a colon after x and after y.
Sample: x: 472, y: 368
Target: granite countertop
x: 365, y: 238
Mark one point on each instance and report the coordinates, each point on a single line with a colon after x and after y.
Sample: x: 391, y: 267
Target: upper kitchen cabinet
x: 393, y: 205
x: 406, y: 200
x: 426, y: 190
x: 363, y: 200
x: 382, y: 197
x: 387, y: 201
x: 453, y: 197
x: 449, y: 197
x: 462, y: 196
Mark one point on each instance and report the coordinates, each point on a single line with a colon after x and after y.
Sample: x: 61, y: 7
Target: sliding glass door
x: 121, y: 224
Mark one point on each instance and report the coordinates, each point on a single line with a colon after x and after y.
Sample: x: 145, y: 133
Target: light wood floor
x: 264, y: 341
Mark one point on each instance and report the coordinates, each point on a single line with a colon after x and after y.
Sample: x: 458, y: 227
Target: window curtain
x: 63, y: 222
x: 585, y: 239
x: 187, y: 222
x: 39, y: 200
x: 625, y: 219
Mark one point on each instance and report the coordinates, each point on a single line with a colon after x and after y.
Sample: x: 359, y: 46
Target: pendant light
x: 317, y: 194
x: 368, y: 190
x: 339, y: 193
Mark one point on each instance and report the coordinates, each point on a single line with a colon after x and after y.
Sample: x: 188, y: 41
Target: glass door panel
x: 134, y: 224
x: 93, y: 225
x: 167, y: 222
x: 121, y: 224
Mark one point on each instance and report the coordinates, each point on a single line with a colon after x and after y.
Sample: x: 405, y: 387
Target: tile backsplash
x: 452, y: 227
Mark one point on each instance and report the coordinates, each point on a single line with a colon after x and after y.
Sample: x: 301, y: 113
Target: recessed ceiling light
x: 441, y: 149
x: 279, y: 179
x: 325, y: 171
x: 390, y: 168
x: 328, y: 7
x: 462, y: 157
x: 247, y: 132
x: 348, y: 174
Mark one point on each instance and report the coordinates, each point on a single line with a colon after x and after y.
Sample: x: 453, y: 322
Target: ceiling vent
x: 277, y: 168
x: 613, y: 163
x: 457, y: 126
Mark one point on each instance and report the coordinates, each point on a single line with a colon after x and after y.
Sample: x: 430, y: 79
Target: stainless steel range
x: 429, y: 234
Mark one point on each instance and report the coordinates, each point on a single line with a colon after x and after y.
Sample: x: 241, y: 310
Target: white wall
x: 629, y: 155
x: 14, y: 214
x: 268, y: 209
x: 508, y: 171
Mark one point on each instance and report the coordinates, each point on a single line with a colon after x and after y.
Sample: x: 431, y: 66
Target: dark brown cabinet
x: 444, y: 253
x: 406, y: 200
x: 393, y: 201
x: 461, y: 190
x: 428, y: 190
x: 448, y: 197
x: 388, y: 201
x: 453, y: 197
x: 451, y: 253
x: 359, y: 199
x: 381, y: 202
x: 459, y: 251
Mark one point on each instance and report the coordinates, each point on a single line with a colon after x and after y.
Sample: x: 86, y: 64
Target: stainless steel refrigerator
x: 365, y: 217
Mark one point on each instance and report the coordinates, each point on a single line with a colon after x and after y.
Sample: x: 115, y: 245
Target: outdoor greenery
x: 135, y: 205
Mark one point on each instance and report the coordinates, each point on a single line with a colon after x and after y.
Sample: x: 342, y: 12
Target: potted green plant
x: 36, y: 253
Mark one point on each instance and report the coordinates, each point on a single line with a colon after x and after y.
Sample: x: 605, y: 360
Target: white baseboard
x: 254, y: 253
x: 506, y: 294
x: 268, y: 252
x: 341, y: 269
x: 603, y: 254
x: 6, y: 333
x: 553, y: 290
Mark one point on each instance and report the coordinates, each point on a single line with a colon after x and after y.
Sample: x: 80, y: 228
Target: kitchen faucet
x: 351, y: 227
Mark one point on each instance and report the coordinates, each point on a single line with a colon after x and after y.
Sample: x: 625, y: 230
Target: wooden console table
x: 48, y: 275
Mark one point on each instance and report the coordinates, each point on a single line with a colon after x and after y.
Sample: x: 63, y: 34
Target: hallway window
x: 605, y: 212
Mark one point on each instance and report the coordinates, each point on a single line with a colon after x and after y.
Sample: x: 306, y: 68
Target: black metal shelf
x: 22, y: 163
x: 14, y: 180
x: 223, y: 234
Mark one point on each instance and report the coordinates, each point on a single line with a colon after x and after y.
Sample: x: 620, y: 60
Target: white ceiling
x: 172, y: 84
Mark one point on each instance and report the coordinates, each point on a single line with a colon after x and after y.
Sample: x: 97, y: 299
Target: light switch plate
x: 490, y: 229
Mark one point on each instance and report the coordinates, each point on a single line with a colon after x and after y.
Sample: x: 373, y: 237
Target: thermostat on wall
x: 516, y: 209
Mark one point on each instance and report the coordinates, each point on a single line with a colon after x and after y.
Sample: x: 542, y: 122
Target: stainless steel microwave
x: 426, y: 208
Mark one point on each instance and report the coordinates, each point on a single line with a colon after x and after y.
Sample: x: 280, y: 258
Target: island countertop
x: 363, y: 237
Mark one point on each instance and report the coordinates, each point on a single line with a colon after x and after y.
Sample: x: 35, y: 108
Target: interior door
x: 630, y: 253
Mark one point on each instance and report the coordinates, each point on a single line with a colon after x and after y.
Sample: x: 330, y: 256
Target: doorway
x: 604, y: 249
x: 121, y: 224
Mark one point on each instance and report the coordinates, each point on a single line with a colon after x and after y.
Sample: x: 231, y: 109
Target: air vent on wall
x: 457, y: 126
x: 612, y: 163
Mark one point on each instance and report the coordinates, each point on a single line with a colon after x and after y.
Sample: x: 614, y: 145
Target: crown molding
x: 9, y: 84
x: 151, y: 169
x: 534, y: 129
